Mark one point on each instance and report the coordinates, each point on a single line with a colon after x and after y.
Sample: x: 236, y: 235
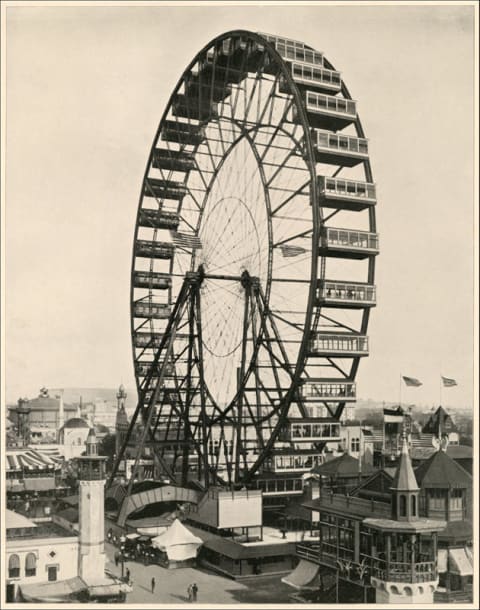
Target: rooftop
x: 15, y: 520
x: 441, y: 471
x: 42, y: 530
x: 345, y: 466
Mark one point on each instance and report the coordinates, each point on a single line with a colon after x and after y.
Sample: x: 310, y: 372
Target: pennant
x: 290, y: 251
x: 411, y: 381
x: 448, y: 383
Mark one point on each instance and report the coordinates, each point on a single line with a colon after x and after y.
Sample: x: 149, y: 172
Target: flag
x: 411, y: 381
x: 448, y: 383
x: 290, y: 251
x: 392, y: 416
x: 186, y: 240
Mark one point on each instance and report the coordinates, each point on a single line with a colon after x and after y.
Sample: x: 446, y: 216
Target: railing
x: 341, y: 343
x: 346, y: 292
x: 347, y: 144
x: 340, y: 187
x: 405, y: 572
x: 328, y: 391
x: 319, y: 102
x: 349, y: 238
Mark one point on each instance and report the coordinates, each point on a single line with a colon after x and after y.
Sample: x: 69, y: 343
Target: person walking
x: 153, y: 584
x: 190, y: 593
x: 194, y: 592
x: 127, y: 573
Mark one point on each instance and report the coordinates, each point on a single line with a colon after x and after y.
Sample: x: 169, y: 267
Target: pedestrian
x: 153, y: 584
x: 190, y: 593
x: 117, y: 557
x: 128, y: 575
x: 194, y: 592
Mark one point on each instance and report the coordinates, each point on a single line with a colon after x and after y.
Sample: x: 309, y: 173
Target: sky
x: 85, y: 90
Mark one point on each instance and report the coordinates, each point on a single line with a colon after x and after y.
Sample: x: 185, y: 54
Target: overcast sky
x: 86, y: 88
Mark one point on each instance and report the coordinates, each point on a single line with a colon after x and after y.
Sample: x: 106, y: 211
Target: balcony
x: 174, y: 160
x: 339, y: 149
x: 164, y: 189
x: 194, y: 108
x: 341, y: 345
x: 348, y: 243
x: 154, y: 249
x: 145, y: 309
x: 346, y: 295
x: 146, y: 339
x: 338, y: 193
x: 158, y: 219
x: 151, y: 279
x: 208, y: 88
x: 293, y: 50
x: 334, y: 390
x: 142, y: 367
x: 313, y: 77
x: 306, y: 430
x: 182, y: 133
x: 328, y: 111
x: 393, y: 571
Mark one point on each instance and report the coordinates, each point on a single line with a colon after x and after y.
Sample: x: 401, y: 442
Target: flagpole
x: 400, y: 388
x: 441, y: 384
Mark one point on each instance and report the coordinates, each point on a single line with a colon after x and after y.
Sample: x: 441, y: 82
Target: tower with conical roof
x: 405, y: 489
x: 91, y: 511
x: 121, y: 422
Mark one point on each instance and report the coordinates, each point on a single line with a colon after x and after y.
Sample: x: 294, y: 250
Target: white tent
x: 178, y: 542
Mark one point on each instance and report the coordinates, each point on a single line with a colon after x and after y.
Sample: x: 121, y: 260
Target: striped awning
x: 33, y: 459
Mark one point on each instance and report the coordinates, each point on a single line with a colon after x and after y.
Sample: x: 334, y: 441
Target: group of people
x: 192, y: 592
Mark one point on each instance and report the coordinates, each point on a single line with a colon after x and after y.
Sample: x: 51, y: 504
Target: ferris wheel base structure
x: 252, y: 272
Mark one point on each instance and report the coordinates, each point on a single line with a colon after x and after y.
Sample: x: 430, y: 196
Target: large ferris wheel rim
x: 312, y: 307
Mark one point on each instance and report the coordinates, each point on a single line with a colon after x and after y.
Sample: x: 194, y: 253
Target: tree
x: 107, y: 448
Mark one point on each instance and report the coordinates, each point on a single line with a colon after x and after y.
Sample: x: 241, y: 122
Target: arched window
x: 403, y: 506
x: 30, y: 565
x: 14, y: 566
x: 414, y: 506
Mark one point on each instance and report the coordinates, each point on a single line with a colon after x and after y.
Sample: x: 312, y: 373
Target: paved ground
x: 171, y: 585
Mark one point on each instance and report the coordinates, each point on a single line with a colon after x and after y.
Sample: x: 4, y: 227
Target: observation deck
x: 147, y: 339
x: 347, y: 243
x: 164, y: 189
x: 158, y: 219
x: 194, y: 108
x: 154, y: 249
x: 314, y: 77
x: 353, y: 195
x: 175, y: 160
x: 342, y: 345
x: 145, y: 309
x: 311, y: 430
x: 151, y: 279
x: 294, y: 50
x: 289, y: 460
x: 328, y: 390
x: 328, y: 111
x: 351, y: 295
x: 183, y: 133
x: 207, y: 88
x: 339, y: 149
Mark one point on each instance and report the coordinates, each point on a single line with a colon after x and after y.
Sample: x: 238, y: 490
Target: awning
x: 442, y: 560
x: 39, y: 484
x: 460, y: 562
x: 303, y: 575
x: 109, y: 590
x: 132, y: 536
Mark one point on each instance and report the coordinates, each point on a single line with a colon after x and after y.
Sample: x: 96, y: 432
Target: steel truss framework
x: 253, y: 262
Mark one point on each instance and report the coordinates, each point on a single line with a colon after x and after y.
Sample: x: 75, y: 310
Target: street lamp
x: 122, y: 557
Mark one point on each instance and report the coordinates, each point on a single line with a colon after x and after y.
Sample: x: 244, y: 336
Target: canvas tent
x: 178, y: 542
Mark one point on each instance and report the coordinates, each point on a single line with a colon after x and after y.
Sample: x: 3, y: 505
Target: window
x: 355, y: 445
x: 30, y: 565
x: 414, y: 506
x: 456, y: 497
x: 14, y: 566
x: 403, y: 506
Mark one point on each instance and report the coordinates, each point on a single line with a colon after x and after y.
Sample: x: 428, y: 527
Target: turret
x: 405, y: 489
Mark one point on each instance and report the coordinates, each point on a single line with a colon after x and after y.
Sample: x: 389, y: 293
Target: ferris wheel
x: 253, y: 260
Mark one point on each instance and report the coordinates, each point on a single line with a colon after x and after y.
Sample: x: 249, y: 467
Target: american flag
x: 448, y: 383
x: 290, y: 251
x: 411, y: 381
x: 186, y: 240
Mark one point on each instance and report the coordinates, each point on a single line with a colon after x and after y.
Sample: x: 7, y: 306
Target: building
x: 72, y: 437
x: 49, y: 562
x: 441, y: 424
